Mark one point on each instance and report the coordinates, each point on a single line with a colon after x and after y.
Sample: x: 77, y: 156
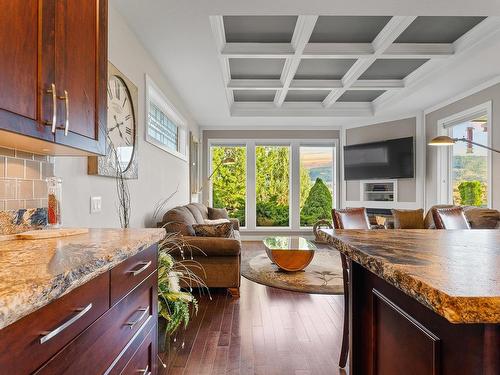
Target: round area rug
x: 322, y: 276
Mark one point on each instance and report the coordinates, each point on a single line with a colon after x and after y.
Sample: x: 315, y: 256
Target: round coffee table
x: 290, y: 253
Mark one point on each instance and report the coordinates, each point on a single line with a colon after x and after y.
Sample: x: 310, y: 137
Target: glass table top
x: 289, y: 243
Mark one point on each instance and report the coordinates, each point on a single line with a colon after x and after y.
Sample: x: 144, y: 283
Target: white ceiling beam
x: 419, y: 50
x: 301, y: 34
x: 384, y: 39
x: 257, y: 50
x: 255, y: 84
x: 298, y: 109
x: 314, y: 84
x: 337, y: 50
x: 217, y: 24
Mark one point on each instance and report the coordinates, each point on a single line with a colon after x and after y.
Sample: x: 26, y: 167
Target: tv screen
x: 388, y: 159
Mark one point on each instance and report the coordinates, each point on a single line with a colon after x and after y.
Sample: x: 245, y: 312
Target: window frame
x: 155, y: 94
x: 294, y: 173
x: 445, y: 154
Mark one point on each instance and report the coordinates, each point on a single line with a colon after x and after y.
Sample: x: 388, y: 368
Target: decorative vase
x: 163, y: 338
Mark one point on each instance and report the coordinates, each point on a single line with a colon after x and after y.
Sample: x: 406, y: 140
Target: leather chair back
x: 350, y: 218
x: 450, y: 218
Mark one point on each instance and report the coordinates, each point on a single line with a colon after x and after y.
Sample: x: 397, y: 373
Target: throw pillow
x: 216, y: 221
x: 408, y: 219
x: 217, y: 230
x: 217, y: 213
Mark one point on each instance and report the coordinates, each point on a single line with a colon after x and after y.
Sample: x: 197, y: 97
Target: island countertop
x: 35, y: 272
x: 455, y: 273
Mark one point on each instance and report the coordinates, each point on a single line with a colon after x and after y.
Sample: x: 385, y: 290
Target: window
x: 466, y: 167
x: 165, y: 127
x: 316, y: 184
x: 228, y: 169
x: 272, y: 186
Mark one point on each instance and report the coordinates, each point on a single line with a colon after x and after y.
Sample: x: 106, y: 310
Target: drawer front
x: 143, y: 359
x: 95, y: 350
x: 37, y: 337
x: 130, y: 273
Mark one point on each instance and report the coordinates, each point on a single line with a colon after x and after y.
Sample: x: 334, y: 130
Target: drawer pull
x: 66, y: 102
x: 143, y: 267
x: 144, y: 311
x: 145, y: 371
x: 50, y: 334
x: 52, y: 123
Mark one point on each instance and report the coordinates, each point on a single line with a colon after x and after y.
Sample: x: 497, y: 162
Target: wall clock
x: 121, y: 129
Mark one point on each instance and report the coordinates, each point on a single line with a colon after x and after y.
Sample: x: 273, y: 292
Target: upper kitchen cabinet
x: 53, y: 73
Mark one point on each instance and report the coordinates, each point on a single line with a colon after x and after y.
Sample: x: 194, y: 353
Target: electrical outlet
x: 95, y: 205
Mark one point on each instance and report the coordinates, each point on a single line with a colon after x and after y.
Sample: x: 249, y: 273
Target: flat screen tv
x: 393, y: 158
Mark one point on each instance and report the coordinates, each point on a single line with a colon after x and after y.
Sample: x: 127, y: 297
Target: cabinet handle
x: 50, y: 334
x: 66, y: 103
x: 144, y: 311
x: 143, y: 268
x: 52, y: 123
x: 145, y: 371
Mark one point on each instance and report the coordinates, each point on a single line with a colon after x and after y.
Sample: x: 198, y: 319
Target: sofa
x: 221, y: 257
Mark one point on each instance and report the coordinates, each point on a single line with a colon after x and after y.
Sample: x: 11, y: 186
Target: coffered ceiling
x: 283, y: 64
x: 330, y: 65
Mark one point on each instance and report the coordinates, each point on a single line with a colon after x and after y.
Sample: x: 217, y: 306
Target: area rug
x: 322, y: 276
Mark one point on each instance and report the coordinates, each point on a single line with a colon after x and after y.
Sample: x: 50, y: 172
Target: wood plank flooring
x: 265, y: 331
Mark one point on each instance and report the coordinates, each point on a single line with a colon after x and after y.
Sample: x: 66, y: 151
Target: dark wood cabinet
x: 53, y: 73
x: 91, y: 332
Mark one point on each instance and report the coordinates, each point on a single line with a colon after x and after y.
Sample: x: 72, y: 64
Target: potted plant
x: 175, y: 305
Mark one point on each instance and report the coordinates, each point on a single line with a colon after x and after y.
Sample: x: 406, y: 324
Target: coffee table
x: 290, y: 253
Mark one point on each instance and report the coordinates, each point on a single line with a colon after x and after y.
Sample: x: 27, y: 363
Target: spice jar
x: 54, y: 189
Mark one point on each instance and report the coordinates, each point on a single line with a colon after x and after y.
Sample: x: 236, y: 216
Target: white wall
x: 159, y: 172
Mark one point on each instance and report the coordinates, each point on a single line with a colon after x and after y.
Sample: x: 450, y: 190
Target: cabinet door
x: 80, y: 61
x: 26, y: 30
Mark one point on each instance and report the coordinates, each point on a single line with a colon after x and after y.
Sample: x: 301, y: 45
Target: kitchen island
x: 83, y: 304
x: 422, y: 301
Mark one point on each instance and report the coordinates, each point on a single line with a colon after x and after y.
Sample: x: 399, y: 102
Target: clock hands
x: 117, y: 126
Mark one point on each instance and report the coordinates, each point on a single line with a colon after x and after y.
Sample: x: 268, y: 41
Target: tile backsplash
x: 22, y: 179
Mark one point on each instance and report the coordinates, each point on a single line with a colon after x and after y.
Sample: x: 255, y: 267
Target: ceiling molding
x: 340, y: 109
x: 315, y: 84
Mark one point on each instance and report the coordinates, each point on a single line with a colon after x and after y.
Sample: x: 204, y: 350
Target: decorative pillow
x: 217, y: 230
x: 408, y: 219
x: 217, y: 213
x: 217, y: 221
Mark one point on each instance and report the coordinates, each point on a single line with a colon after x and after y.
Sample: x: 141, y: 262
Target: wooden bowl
x: 291, y: 260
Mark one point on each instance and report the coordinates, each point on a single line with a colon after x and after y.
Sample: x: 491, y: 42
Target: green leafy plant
x: 471, y: 193
x: 174, y: 304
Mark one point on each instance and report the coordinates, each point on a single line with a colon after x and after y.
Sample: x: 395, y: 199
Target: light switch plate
x: 95, y: 205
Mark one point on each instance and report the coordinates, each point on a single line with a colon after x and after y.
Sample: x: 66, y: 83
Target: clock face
x: 121, y: 121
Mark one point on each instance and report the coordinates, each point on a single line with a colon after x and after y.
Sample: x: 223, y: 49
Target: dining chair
x: 450, y: 218
x: 349, y: 218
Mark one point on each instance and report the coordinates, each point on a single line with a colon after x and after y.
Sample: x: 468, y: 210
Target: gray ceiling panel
x: 347, y: 29
x: 254, y: 95
x: 323, y: 68
x: 256, y: 68
x: 437, y: 29
x: 306, y: 95
x: 392, y: 68
x: 259, y: 29
x: 360, y: 95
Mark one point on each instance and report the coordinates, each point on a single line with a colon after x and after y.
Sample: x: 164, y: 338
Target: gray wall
x: 431, y: 119
x: 159, y: 172
x: 407, y: 188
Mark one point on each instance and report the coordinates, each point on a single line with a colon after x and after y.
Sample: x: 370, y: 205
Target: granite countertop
x: 35, y: 272
x: 455, y: 273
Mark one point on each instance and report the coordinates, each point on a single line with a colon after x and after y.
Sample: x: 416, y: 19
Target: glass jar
x: 54, y: 190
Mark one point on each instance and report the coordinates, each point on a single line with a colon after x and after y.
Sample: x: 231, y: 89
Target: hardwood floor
x: 265, y: 331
